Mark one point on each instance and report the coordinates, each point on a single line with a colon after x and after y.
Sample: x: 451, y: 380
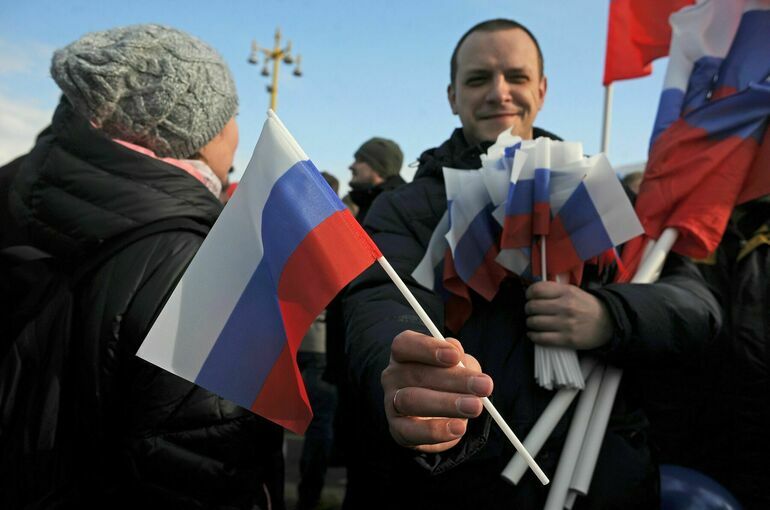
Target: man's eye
x: 517, y: 78
x: 475, y: 80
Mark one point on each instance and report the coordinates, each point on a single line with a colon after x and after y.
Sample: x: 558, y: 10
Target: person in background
x: 317, y: 445
x: 633, y: 180
x: 145, y: 131
x: 376, y: 168
x: 374, y: 172
x: 733, y: 444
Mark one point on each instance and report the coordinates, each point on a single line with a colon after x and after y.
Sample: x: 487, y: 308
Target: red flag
x: 637, y: 34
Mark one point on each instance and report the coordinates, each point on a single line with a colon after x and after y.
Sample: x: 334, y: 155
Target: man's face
x: 498, y: 85
x: 362, y: 173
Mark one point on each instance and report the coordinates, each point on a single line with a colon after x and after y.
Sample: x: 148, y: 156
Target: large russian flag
x: 638, y: 32
x: 710, y: 128
x: 283, y: 247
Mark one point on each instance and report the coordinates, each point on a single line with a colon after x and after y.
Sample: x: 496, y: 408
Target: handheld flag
x: 473, y: 232
x: 283, y: 247
x: 597, y: 217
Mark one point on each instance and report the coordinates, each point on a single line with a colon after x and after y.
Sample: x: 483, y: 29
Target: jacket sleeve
x: 375, y: 311
x: 667, y: 323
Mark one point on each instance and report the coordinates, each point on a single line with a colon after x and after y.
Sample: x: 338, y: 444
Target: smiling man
x: 420, y: 414
x: 497, y: 81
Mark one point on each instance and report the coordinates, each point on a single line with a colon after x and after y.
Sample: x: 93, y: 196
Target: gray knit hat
x: 383, y: 155
x: 151, y: 85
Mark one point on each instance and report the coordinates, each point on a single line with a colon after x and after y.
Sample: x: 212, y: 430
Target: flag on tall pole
x: 283, y: 247
x: 638, y: 32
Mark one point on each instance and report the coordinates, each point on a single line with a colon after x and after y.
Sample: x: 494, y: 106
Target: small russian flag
x: 283, y: 247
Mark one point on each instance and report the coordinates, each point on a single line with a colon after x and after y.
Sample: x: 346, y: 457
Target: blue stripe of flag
x: 749, y: 58
x: 584, y: 225
x: 254, y: 336
x: 520, y: 195
x: 475, y: 243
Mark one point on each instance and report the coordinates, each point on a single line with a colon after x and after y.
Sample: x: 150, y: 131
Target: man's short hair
x: 493, y: 25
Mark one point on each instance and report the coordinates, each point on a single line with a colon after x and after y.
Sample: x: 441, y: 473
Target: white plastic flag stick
x: 653, y: 262
x: 573, y: 443
x: 545, y: 375
x: 487, y: 403
x: 555, y: 366
x: 647, y: 272
x: 545, y: 424
x: 589, y: 453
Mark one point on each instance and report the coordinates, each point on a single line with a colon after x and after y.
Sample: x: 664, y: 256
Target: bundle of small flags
x: 537, y: 208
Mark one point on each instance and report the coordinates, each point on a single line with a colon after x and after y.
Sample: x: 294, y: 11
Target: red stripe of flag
x: 326, y: 260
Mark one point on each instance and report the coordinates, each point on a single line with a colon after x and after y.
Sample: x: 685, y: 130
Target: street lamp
x: 276, y: 55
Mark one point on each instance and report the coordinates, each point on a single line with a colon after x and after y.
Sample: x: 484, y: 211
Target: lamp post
x: 276, y: 55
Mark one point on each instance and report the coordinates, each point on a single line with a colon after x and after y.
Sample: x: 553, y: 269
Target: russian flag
x: 429, y: 271
x: 436, y: 271
x: 542, y: 178
x: 473, y: 231
x: 497, y: 165
x: 283, y: 247
x: 526, y: 207
x: 596, y: 217
x: 711, y: 123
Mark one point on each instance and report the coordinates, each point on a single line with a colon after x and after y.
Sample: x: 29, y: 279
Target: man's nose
x: 499, y: 91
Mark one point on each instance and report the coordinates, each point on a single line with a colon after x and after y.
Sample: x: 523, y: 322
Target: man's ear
x: 451, y: 96
x: 542, y: 89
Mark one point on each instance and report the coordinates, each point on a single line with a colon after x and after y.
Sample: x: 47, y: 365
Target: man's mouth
x: 499, y: 115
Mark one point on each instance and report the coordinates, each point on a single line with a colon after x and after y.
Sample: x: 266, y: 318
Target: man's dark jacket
x: 149, y: 438
x: 654, y: 325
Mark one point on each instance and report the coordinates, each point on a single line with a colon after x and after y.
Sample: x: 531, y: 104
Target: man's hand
x: 566, y: 316
x: 428, y: 397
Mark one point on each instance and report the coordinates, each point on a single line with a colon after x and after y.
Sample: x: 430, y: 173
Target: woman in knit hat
x: 145, y: 131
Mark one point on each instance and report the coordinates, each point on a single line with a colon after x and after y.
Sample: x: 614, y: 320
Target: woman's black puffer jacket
x: 149, y: 438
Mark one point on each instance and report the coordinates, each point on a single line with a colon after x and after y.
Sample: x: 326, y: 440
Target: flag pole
x: 488, y: 405
x: 606, y: 124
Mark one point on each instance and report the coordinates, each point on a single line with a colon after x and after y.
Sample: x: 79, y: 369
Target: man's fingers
x: 543, y: 307
x: 454, y: 380
x: 413, y: 347
x: 545, y: 323
x: 545, y: 290
x: 549, y: 338
x: 415, y: 401
x: 420, y: 432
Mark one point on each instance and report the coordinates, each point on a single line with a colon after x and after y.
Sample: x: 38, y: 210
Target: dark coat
x: 364, y: 197
x: 149, y: 438
x: 656, y: 324
x: 736, y: 443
